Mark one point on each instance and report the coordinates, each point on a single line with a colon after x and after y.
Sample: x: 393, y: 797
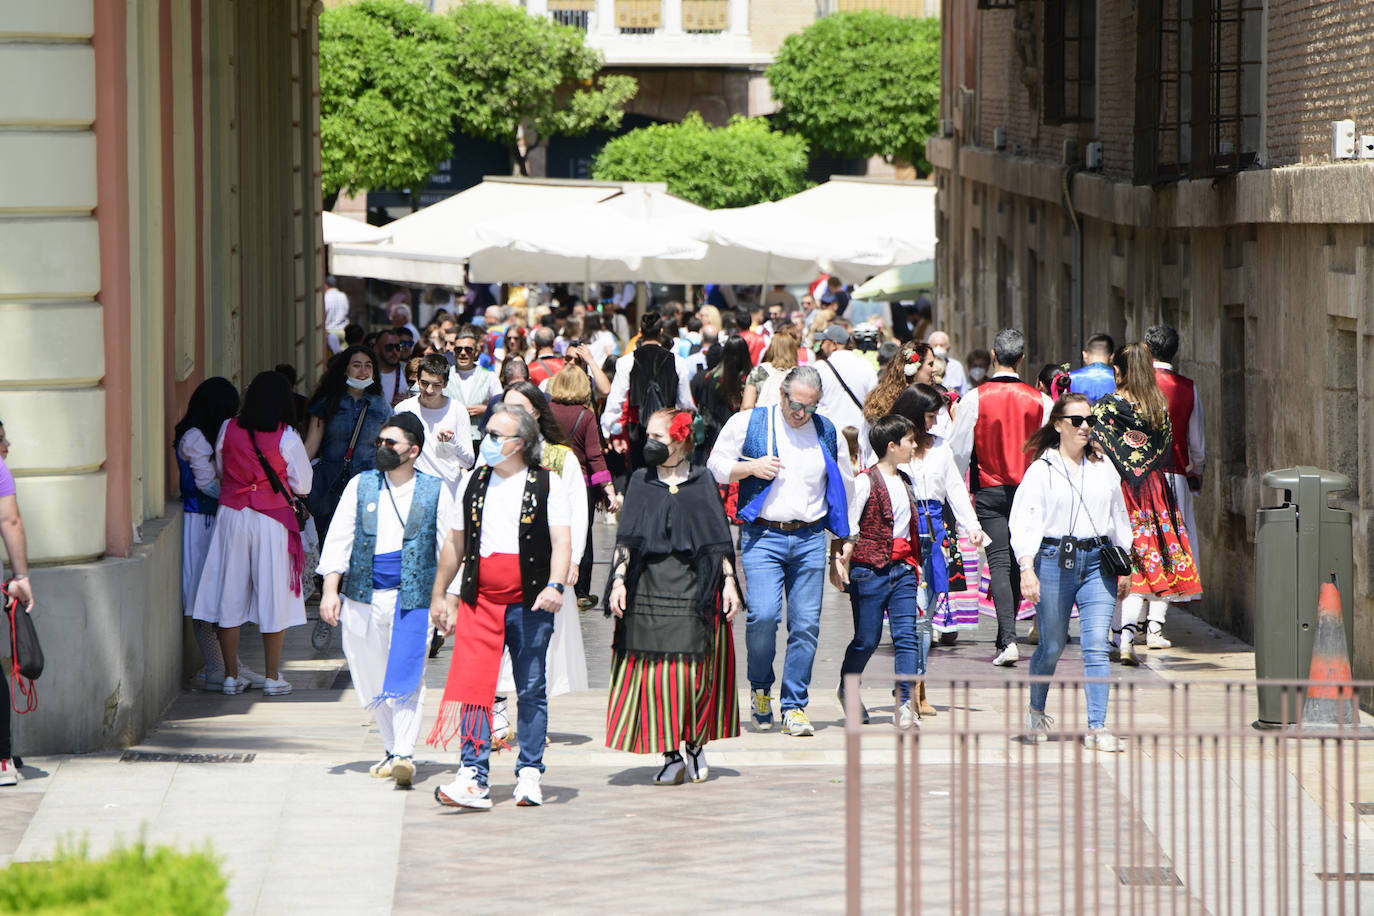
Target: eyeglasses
x: 464, y: 350
x: 497, y: 437
x: 795, y: 406
x: 1079, y: 421
x: 388, y: 442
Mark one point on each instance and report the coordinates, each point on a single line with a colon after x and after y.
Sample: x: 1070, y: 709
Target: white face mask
x: 941, y: 352
x: 361, y: 384
x: 977, y: 373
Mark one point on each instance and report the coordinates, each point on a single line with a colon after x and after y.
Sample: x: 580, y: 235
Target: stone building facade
x: 1216, y: 208
x: 159, y: 224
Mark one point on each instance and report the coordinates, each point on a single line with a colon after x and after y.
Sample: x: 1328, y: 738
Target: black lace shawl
x: 1135, y: 447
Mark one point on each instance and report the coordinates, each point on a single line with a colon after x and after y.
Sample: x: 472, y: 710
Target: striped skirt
x: 658, y: 703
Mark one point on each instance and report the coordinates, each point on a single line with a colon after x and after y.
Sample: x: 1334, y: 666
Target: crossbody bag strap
x: 272, y: 477
x: 1097, y: 532
x: 357, y: 431
x: 840, y: 378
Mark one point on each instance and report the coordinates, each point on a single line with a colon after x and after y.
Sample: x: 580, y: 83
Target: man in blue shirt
x: 1096, y: 379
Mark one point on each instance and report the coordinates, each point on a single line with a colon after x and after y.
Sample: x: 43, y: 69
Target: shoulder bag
x: 1115, y: 560
x: 26, y: 655
x: 297, y: 505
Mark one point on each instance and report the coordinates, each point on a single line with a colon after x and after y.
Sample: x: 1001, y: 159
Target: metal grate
x: 1137, y: 876
x: 154, y: 757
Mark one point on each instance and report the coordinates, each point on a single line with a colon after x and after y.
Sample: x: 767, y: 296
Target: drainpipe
x: 1076, y: 258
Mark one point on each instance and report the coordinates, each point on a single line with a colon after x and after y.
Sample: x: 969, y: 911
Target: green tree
x: 740, y: 164
x: 388, y: 88
x: 862, y: 84
x: 523, y: 79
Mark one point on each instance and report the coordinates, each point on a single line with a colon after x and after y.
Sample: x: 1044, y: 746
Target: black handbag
x: 297, y: 505
x: 1116, y: 561
x: 26, y: 655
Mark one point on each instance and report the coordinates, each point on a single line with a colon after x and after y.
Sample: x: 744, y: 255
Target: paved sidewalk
x: 303, y: 829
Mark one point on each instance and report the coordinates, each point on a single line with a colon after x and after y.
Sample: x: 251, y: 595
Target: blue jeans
x: 1088, y: 586
x: 891, y: 589
x: 527, y: 636
x: 925, y: 600
x: 774, y: 561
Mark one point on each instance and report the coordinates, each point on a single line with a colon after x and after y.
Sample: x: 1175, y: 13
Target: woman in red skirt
x: 1135, y: 432
x: 673, y: 591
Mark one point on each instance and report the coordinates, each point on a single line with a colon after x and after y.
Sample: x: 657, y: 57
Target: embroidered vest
x: 418, y: 563
x: 193, y: 501
x: 1009, y: 410
x: 874, y: 547
x: 1178, y: 390
x: 756, y: 445
x: 536, y: 547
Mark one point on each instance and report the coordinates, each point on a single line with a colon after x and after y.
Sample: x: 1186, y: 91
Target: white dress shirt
x: 445, y: 460
x: 620, y: 390
x: 336, y: 310
x: 798, y: 492
x: 966, y: 417
x: 337, y: 549
x: 896, y: 493
x: 955, y: 376
x: 1197, y: 451
x: 1055, y: 501
x: 935, y: 477
x: 858, y: 373
x: 501, y: 512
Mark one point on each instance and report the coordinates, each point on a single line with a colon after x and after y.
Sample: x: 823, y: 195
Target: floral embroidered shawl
x: 1135, y: 447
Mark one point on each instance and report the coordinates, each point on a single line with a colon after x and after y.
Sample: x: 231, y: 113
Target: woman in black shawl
x: 673, y: 591
x: 1135, y: 432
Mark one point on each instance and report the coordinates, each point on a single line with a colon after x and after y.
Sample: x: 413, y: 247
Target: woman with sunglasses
x: 1136, y: 433
x: 1066, y: 512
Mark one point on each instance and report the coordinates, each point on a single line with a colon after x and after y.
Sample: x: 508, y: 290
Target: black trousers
x: 583, y: 588
x: 5, y: 739
x: 993, y: 507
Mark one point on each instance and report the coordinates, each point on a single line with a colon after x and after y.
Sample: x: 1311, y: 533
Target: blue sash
x: 930, y: 523
x: 405, y: 659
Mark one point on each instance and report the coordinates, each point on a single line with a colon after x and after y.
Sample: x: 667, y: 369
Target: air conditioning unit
x: 999, y: 138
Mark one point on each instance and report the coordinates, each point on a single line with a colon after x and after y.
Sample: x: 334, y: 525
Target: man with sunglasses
x: 991, y: 427
x: 386, y: 536
x: 794, y: 483
x: 390, y: 369
x: 472, y: 386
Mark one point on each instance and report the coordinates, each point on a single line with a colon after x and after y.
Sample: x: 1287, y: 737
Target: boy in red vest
x: 990, y: 431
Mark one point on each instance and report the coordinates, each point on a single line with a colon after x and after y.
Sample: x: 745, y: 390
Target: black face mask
x: 387, y: 459
x: 655, y: 453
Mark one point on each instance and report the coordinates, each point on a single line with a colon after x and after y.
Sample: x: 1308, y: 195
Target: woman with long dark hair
x: 214, y: 401
x: 348, y: 398
x: 719, y: 392
x: 1067, y: 512
x: 256, y: 561
x: 1137, y: 435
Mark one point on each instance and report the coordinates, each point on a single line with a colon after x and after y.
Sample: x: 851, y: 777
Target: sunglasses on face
x: 406, y: 344
x: 388, y: 442
x: 795, y: 406
x: 1090, y: 419
x: 464, y: 350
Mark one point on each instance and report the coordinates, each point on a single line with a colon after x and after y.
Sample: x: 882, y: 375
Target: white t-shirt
x: 501, y: 511
x: 445, y: 460
x: 836, y: 404
x: 896, y: 493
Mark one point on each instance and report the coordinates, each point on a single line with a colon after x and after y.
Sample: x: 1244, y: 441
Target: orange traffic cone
x: 1330, y: 703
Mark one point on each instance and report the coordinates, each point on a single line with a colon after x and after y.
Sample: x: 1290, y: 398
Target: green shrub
x: 129, y: 880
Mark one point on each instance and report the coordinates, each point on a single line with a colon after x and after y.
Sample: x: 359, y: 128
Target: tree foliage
x: 527, y: 77
x: 388, y: 87
x: 743, y: 163
x: 861, y: 84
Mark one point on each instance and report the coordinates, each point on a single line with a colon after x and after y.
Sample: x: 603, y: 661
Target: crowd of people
x: 439, y: 486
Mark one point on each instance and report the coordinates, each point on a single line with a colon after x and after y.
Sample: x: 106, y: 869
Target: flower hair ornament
x: 681, y: 427
x: 913, y: 364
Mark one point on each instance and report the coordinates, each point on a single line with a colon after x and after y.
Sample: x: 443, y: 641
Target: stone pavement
x: 303, y: 829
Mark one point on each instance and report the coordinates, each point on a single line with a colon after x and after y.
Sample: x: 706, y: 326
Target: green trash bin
x: 1298, y: 545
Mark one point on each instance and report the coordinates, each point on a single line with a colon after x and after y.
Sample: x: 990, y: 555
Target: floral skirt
x: 1162, y: 555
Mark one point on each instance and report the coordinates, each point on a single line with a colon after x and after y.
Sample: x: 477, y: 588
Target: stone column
x: 739, y: 18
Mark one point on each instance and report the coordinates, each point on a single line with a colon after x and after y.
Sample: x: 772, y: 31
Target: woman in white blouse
x: 1068, y: 508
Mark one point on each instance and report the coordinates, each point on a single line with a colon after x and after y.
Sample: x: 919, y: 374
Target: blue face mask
x: 492, y: 452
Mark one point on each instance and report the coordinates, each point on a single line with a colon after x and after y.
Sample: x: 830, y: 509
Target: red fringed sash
x: 479, y: 635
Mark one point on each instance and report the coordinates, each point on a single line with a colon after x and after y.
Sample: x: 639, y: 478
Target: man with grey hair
x: 990, y: 431
x: 954, y: 370
x: 794, y: 483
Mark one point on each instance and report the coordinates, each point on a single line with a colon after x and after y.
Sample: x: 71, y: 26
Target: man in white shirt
x: 384, y: 610
x: 390, y: 372
x: 448, y: 445
x: 847, y: 376
x: 468, y: 383
x: 795, y: 482
x: 955, y: 377
x: 335, y: 314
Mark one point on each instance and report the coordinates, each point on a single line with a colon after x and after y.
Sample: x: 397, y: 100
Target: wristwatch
x: 556, y: 586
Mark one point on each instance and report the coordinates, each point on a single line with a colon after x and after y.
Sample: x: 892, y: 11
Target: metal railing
x: 1200, y: 813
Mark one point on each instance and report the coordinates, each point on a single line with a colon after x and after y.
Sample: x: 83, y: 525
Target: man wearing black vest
x: 990, y: 431
x: 512, y: 536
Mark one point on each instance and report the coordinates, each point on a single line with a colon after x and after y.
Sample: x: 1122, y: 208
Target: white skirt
x: 566, y: 661
x: 247, y: 575
x: 196, y: 531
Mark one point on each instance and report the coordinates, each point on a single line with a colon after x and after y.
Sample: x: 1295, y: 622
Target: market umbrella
x: 899, y: 282
x: 342, y: 230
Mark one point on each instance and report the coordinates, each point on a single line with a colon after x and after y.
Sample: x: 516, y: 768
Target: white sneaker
x: 382, y: 768
x: 694, y: 759
x: 1038, y: 726
x: 1155, y: 639
x: 464, y: 792
x: 255, y: 680
x: 403, y: 771
x: 1099, y: 739
x: 796, y: 724
x: 275, y: 687
x: 1008, y: 656
x: 673, y: 771
x: 233, y: 685
x: 527, y: 791
x: 906, y: 716
x: 9, y: 776
x: 500, y: 720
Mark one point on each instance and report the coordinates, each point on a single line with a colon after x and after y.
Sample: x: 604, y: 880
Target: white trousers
x: 366, y: 642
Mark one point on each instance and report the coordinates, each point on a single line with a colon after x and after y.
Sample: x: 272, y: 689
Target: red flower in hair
x: 681, y: 427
